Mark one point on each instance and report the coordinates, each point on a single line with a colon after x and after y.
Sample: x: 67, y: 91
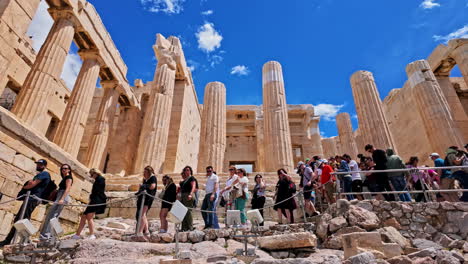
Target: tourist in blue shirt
x: 446, y: 179
x: 36, y: 186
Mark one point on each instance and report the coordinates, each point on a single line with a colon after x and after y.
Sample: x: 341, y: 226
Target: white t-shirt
x: 231, y: 180
x: 244, y: 181
x: 211, y: 183
x: 353, y: 166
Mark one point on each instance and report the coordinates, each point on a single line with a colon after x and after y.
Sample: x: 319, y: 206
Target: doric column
x: 329, y: 147
x: 213, y: 127
x: 433, y: 107
x: 372, y: 121
x: 71, y: 128
x: 259, y: 130
x: 277, y: 134
x: 31, y: 103
x: 459, y: 53
x: 102, y: 126
x: 155, y: 130
x: 345, y: 133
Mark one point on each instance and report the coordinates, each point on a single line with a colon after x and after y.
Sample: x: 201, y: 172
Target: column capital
x: 64, y: 13
x: 109, y: 84
x: 91, y: 54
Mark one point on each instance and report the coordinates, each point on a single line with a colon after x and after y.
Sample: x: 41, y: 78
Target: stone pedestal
x: 71, y: 128
x: 31, y: 103
x: 277, y: 133
x: 213, y: 128
x: 98, y: 142
x: 155, y: 130
x: 433, y: 107
x: 372, y: 121
x: 345, y: 133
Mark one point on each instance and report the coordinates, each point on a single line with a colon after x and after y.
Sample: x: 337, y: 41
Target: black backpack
x: 50, y: 192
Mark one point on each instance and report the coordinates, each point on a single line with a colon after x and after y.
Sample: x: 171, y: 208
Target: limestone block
x: 363, y: 218
x: 24, y: 163
x: 6, y: 222
x: 6, y: 153
x: 356, y: 243
x: 288, y: 241
x: 10, y: 188
x: 38, y: 213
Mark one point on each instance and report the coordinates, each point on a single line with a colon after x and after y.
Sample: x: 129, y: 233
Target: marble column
x: 213, y: 128
x: 373, y: 124
x: 313, y: 144
x: 31, y: 103
x: 433, y: 107
x: 345, y: 133
x: 459, y: 52
x: 102, y: 128
x: 259, y: 130
x: 71, y: 128
x: 155, y: 130
x: 275, y: 111
x: 329, y: 147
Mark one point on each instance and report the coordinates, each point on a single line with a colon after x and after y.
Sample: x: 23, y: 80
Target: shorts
x: 356, y: 186
x: 95, y: 209
x: 329, y: 189
x: 166, y: 205
x: 307, y: 192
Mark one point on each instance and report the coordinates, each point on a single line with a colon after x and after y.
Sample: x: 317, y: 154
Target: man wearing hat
x: 36, y: 186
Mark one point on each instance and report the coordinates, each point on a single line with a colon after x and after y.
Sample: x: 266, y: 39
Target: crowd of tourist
x: 378, y: 172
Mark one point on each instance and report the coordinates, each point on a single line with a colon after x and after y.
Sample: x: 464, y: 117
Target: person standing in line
x: 456, y: 157
x: 150, y: 185
x: 418, y: 179
x: 242, y: 200
x: 97, y: 196
x: 187, y: 190
x: 168, y: 195
x: 380, y: 159
x: 356, y: 184
x: 327, y: 183
x: 283, y: 200
x: 229, y: 193
x: 62, y: 199
x: 258, y: 199
x: 347, y: 178
x: 36, y: 186
x: 212, y: 186
x: 397, y: 179
x: 307, y: 180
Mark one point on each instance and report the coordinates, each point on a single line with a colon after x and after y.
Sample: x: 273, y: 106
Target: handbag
x: 161, y: 194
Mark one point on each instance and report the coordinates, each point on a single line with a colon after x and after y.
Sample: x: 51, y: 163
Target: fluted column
x: 277, y: 134
x: 71, y: 128
x: 345, y: 133
x: 460, y: 55
x: 102, y: 127
x: 372, y: 121
x: 259, y: 130
x: 155, y: 130
x: 213, y: 127
x: 31, y: 103
x: 329, y: 147
x: 433, y: 107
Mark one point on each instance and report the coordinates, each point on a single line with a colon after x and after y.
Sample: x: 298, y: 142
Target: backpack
x: 50, y: 192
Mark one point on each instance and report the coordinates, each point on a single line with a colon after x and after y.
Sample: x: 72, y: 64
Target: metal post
x: 302, y: 204
x: 176, y: 255
x: 23, y: 211
x: 140, y: 214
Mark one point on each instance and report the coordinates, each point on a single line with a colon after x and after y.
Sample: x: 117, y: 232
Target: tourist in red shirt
x: 327, y: 181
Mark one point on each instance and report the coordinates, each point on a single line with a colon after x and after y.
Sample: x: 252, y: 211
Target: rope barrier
x: 12, y: 200
x: 400, y: 170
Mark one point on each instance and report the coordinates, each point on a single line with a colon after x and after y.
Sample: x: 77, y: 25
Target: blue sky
x: 319, y: 43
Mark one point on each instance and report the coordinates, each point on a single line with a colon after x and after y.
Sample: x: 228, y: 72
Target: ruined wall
x: 19, y: 148
x: 184, y: 131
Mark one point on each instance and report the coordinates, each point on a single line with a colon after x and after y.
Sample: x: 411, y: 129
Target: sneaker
x: 315, y: 213
x: 92, y: 237
x: 44, y: 237
x: 76, y: 237
x: 162, y: 231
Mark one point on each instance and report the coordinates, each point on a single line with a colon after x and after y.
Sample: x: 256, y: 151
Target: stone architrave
x: 433, y: 107
x: 31, y: 103
x: 460, y: 55
x: 275, y: 111
x: 373, y: 124
x: 345, y: 133
x: 71, y: 128
x: 213, y: 127
x: 102, y: 127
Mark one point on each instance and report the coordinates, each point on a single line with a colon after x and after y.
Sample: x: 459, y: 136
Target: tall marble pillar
x: 102, y: 128
x: 345, y: 133
x: 71, y: 128
x: 213, y: 127
x: 275, y: 111
x: 31, y: 103
x: 459, y: 53
x: 312, y: 145
x: 372, y: 121
x: 155, y: 129
x: 433, y: 107
x: 259, y: 130
x: 329, y: 147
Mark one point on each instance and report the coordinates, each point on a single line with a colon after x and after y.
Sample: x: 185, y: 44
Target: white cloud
x: 327, y: 111
x: 208, y: 38
x: 215, y: 59
x: 192, y: 65
x: 240, y: 70
x: 459, y: 33
x: 429, y: 4
x: 40, y: 26
x: 163, y: 6
x: 39, y: 29
x: 207, y: 12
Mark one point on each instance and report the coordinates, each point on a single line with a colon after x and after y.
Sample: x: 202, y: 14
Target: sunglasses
x: 231, y: 169
x: 65, y: 168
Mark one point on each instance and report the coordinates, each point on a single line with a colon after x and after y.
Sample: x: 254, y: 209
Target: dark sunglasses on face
x: 231, y: 169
